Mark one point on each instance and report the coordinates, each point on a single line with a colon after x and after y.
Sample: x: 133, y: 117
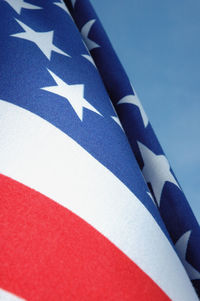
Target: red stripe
x: 49, y: 253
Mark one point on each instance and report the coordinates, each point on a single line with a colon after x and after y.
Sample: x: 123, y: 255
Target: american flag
x: 78, y: 219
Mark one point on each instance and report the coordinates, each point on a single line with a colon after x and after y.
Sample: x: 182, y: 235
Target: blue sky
x: 158, y: 43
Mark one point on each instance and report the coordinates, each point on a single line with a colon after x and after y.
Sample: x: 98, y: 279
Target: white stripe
x: 6, y: 296
x: 34, y: 152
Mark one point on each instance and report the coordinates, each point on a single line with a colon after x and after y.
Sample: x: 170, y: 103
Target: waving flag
x: 165, y: 189
x: 77, y: 219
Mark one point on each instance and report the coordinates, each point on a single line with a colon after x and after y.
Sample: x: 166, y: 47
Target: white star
x: 89, y: 58
x: 116, y: 119
x: 85, y: 32
x: 63, y: 6
x: 150, y: 195
x: 181, y: 247
x: 17, y: 5
x: 73, y: 2
x: 133, y: 99
x: 44, y: 40
x: 156, y: 171
x: 73, y: 93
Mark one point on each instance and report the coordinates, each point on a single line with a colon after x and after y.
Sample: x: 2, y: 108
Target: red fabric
x: 48, y: 253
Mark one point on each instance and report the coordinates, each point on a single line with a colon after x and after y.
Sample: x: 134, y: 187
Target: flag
x: 77, y: 219
x: 165, y: 189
